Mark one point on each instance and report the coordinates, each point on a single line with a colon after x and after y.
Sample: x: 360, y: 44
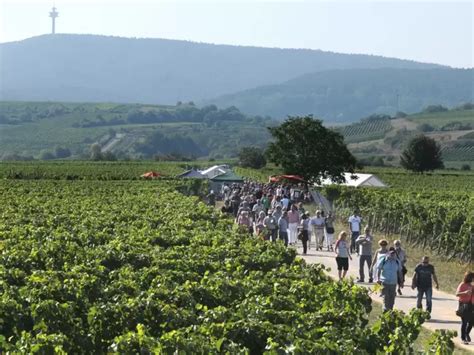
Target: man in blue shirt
x: 389, y: 272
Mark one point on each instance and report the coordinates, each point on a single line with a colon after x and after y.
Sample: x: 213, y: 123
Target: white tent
x: 214, y: 171
x: 359, y: 180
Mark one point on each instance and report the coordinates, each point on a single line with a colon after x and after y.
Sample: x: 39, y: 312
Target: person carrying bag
x: 465, y: 309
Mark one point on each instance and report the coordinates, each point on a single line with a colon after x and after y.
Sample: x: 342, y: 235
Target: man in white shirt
x: 354, y: 227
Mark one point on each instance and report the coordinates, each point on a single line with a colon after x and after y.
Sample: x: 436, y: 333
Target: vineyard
x: 87, y: 170
x: 433, y: 211
x: 137, y: 267
x: 438, y: 221
x: 366, y: 130
x: 462, y: 150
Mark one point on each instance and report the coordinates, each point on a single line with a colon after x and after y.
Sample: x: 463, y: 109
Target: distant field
x: 33, y: 129
x: 440, y: 119
x: 365, y: 130
x: 134, y: 131
x: 453, y: 130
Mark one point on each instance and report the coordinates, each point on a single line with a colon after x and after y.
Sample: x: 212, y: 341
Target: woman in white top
x: 342, y: 255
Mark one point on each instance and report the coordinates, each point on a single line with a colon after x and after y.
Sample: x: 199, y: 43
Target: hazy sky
x: 428, y: 31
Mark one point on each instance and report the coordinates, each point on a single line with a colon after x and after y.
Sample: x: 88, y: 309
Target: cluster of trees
x: 252, y: 157
x: 100, y: 122
x: 96, y: 154
x: 157, y: 144
x: 188, y: 113
x: 422, y: 154
x: 57, y: 153
x: 5, y: 120
x: 303, y: 146
x: 451, y: 126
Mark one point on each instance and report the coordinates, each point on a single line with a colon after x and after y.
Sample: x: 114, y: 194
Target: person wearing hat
x: 389, y: 272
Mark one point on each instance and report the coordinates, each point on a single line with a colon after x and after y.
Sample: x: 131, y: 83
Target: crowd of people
x: 277, y: 212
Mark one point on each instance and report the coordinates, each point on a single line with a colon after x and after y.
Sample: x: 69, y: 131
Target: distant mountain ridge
x: 347, y: 95
x: 66, y: 67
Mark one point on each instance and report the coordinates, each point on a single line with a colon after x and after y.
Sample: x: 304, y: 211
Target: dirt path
x: 444, y: 305
x: 113, y: 142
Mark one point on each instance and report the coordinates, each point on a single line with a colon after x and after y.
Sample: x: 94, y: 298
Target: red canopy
x: 151, y: 174
x: 292, y: 178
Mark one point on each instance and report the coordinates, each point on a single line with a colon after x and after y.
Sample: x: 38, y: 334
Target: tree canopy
x: 252, y: 157
x: 303, y: 146
x: 422, y: 154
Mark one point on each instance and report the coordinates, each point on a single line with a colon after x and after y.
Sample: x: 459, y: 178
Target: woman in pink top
x: 293, y: 222
x: 465, y: 296
x: 244, y: 220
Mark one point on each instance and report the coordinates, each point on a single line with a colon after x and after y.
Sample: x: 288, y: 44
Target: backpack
x: 399, y: 278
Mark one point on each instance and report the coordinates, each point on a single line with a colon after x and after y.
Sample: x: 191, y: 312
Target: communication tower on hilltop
x: 53, y: 14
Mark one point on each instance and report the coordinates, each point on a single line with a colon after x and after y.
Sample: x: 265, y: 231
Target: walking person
x: 342, y: 255
x: 244, y: 221
x: 257, y: 208
x: 389, y: 272
x: 402, y: 258
x: 235, y: 203
x: 266, y: 203
x: 211, y: 199
x: 283, y: 228
x: 271, y: 226
x: 422, y: 281
x: 465, y: 295
x: 329, y: 230
x: 364, y: 242
x: 293, y: 222
x: 304, y: 232
x: 260, y: 224
x: 285, y: 202
x: 378, y: 257
x: 354, y: 226
x: 318, y: 224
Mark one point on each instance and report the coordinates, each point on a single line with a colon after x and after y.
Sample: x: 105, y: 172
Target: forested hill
x: 111, y: 69
x: 347, y: 95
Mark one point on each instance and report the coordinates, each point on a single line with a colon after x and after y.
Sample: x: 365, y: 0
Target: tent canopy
x: 151, y: 174
x: 291, y: 178
x: 360, y: 180
x: 215, y: 170
x: 194, y: 174
x: 229, y: 176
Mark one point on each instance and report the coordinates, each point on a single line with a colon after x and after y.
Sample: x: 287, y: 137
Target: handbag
x: 464, y: 309
x: 300, y: 235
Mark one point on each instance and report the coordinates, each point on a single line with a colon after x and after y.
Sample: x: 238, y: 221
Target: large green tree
x: 303, y: 146
x: 422, y: 154
x: 252, y: 157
